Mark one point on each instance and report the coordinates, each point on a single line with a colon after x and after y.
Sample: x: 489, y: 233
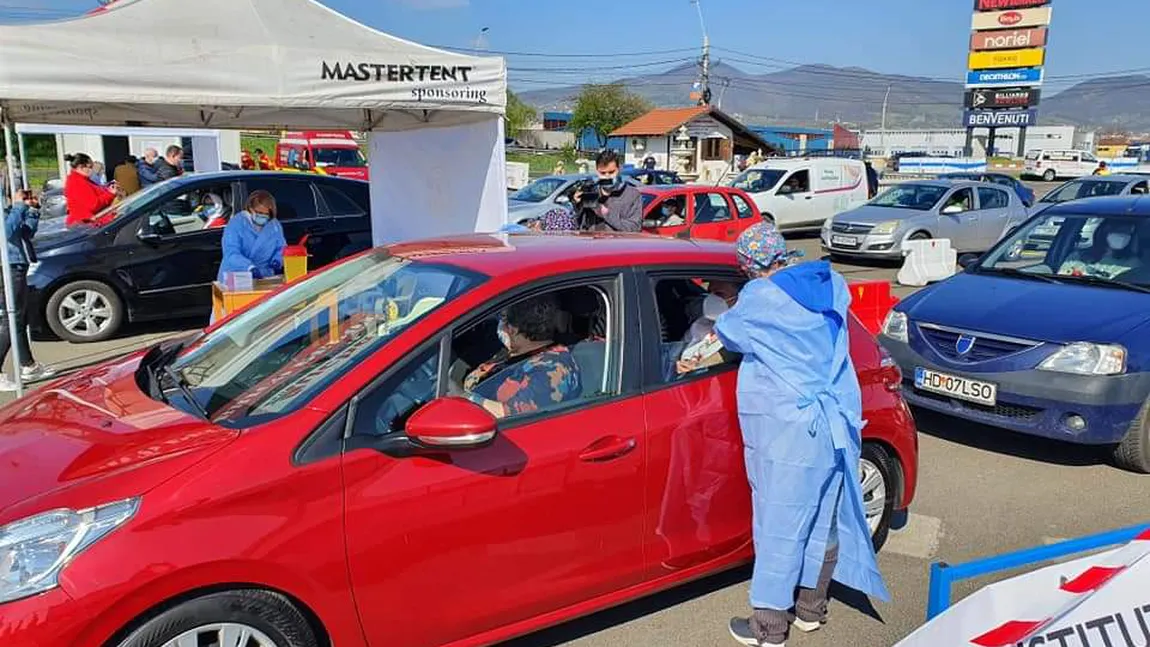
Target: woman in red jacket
x: 85, y: 198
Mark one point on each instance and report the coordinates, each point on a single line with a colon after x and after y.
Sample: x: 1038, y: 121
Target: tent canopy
x: 237, y: 64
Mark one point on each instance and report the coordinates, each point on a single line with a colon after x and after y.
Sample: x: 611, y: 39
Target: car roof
x: 943, y: 183
x: 1115, y: 205
x: 1113, y: 177
x: 538, y: 253
x: 684, y: 188
x: 240, y: 175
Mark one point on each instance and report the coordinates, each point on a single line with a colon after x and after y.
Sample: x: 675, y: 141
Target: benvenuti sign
x: 1007, y: 58
x: 1000, y: 118
x: 1008, y: 39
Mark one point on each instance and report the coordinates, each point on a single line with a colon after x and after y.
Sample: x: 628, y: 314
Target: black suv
x: 157, y: 253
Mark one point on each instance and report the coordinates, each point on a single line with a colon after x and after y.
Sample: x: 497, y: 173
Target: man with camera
x: 608, y: 203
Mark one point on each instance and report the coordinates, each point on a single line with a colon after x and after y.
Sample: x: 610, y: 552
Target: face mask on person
x: 668, y: 212
x: 714, y: 306
x: 1118, y: 240
x: 260, y: 219
x: 504, y: 337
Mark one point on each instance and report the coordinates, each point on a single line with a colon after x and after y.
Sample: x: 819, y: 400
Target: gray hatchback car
x: 973, y: 215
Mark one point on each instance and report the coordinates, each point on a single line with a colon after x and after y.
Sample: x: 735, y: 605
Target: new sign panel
x: 1006, y: 58
x: 1005, y: 98
x: 1019, y: 18
x: 1002, y: 5
x: 1003, y: 78
x: 1000, y: 118
x: 1008, y: 39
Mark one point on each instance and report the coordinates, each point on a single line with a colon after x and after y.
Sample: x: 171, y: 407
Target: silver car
x: 544, y: 194
x: 1093, y: 186
x: 973, y: 215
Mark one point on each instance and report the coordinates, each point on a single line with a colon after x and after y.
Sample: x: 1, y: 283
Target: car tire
x: 1133, y: 453
x: 270, y: 619
x: 1049, y: 175
x: 877, y: 463
x: 102, y: 299
x: 919, y: 235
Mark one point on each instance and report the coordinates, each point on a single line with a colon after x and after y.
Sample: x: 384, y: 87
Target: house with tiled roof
x: 698, y: 142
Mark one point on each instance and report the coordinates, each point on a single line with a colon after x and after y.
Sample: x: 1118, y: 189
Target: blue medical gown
x: 800, y: 410
x: 245, y: 248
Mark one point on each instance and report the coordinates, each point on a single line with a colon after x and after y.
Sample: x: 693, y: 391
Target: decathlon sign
x: 1004, y: 78
x: 1006, y: 98
x: 1000, y: 118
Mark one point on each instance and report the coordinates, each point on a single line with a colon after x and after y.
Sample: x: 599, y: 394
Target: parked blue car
x: 1053, y: 342
x: 1025, y: 193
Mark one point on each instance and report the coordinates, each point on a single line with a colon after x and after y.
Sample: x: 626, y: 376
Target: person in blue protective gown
x: 800, y: 411
x: 254, y: 239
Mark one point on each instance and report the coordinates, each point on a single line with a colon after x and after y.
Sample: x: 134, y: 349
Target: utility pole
x: 882, y: 131
x: 726, y: 84
x: 705, y: 81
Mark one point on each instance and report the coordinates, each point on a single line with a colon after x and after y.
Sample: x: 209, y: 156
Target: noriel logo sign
x: 448, y: 75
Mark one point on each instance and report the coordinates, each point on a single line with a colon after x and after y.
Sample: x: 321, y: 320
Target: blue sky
x: 915, y: 37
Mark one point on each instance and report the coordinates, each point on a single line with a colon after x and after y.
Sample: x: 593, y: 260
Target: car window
x: 992, y: 198
x: 962, y: 198
x: 798, y: 182
x: 1001, y: 179
x: 277, y: 355
x: 670, y: 212
x: 686, y: 317
x: 758, y: 180
x: 337, y: 202
x: 1140, y: 188
x: 551, y: 350
x: 295, y: 199
x: 1086, y: 188
x: 205, y: 206
x: 711, y: 207
x: 539, y: 190
x: 339, y: 157
x: 385, y: 408
x: 742, y: 206
x: 921, y: 197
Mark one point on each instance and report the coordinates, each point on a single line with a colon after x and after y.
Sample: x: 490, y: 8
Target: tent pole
x: 9, y: 296
x: 23, y: 162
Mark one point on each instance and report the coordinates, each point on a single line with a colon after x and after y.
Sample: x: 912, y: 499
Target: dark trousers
x: 20, y: 299
x: 772, y: 627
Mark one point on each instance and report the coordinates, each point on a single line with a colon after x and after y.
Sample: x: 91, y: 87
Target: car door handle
x: 808, y: 197
x: 607, y: 448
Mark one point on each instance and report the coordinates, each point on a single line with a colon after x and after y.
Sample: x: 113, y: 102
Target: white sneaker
x: 6, y: 384
x: 36, y: 372
x: 806, y: 626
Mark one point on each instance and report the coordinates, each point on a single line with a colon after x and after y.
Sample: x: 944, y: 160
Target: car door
x: 962, y: 225
x: 173, y: 256
x: 711, y: 217
x: 795, y: 200
x: 745, y: 212
x: 345, y: 207
x: 672, y: 223
x: 993, y: 215
x: 698, y: 500
x: 1086, y: 163
x: 550, y: 514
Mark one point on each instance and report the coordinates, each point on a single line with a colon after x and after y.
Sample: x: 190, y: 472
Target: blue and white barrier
x: 939, y: 165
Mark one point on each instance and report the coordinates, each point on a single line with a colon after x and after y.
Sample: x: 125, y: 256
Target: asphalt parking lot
x: 981, y: 492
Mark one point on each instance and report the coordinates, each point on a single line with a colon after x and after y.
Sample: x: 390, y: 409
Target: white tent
x: 434, y: 117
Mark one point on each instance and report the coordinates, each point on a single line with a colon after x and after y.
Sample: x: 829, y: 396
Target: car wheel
x: 919, y: 235
x: 85, y: 311
x: 877, y: 476
x: 1049, y: 175
x: 1133, y: 453
x: 240, y: 618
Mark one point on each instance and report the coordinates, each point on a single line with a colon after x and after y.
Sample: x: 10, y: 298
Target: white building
x: 952, y: 141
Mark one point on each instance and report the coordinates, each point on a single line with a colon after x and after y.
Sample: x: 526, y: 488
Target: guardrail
x: 943, y: 576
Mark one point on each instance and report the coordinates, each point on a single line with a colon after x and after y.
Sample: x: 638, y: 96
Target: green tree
x: 603, y: 108
x: 519, y: 115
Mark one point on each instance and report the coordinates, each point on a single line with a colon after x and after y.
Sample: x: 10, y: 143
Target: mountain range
x: 813, y: 95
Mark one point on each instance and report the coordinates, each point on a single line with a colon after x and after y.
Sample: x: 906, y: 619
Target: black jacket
x: 165, y: 171
x: 622, y: 211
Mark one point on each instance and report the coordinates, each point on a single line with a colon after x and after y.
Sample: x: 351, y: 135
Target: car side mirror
x: 451, y: 423
x: 966, y: 260
x: 149, y: 237
x: 651, y: 223
x: 785, y: 189
x: 951, y: 209
x: 562, y: 200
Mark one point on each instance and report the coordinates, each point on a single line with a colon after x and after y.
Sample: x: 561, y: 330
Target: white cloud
x: 434, y: 4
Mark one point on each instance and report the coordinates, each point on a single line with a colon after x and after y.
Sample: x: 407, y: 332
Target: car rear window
x: 337, y: 202
x: 294, y: 198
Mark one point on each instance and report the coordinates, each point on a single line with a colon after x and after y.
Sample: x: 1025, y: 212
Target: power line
x: 567, y: 55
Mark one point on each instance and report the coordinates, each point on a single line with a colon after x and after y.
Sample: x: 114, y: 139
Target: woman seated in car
x: 1112, y: 253
x: 532, y: 372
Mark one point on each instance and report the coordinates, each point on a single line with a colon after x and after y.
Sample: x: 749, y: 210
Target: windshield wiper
x: 1107, y: 283
x: 185, y: 388
x: 1017, y: 273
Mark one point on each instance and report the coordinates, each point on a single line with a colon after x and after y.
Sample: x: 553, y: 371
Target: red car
x: 698, y: 211
x: 298, y: 475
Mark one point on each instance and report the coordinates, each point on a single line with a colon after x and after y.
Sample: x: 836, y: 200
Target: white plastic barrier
x: 926, y: 261
x: 517, y: 175
x: 938, y: 165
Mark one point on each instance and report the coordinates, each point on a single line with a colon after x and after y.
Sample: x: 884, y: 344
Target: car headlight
x: 895, y: 326
x: 34, y: 550
x: 1083, y: 358
x: 885, y: 228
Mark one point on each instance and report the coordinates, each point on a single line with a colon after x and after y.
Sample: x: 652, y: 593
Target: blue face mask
x: 259, y: 219
x: 504, y: 338
x: 667, y: 211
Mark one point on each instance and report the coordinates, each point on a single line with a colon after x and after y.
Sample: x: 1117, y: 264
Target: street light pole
x: 882, y: 131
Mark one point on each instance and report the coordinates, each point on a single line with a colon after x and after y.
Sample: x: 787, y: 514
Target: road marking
x: 919, y: 539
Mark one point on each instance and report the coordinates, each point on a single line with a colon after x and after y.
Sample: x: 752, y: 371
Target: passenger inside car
x: 1112, y: 252
x: 533, y: 370
x: 681, y: 305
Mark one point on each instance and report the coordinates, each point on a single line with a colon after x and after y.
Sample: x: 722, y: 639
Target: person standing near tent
x: 800, y: 411
x: 254, y: 239
x: 84, y: 197
x: 126, y: 175
x: 146, y: 168
x: 20, y: 224
x: 171, y: 165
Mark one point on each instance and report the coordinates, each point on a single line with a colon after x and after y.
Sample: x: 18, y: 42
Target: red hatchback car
x: 298, y: 475
x: 698, y: 211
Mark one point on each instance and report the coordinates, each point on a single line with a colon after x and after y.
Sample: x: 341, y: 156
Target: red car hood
x: 94, y: 427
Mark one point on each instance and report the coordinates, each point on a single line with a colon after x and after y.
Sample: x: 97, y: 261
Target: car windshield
x: 921, y: 197
x: 757, y: 180
x: 129, y: 204
x: 1032, y: 155
x: 647, y: 200
x: 1076, y: 189
x: 339, y: 157
x: 1084, y: 248
x: 275, y: 357
x: 538, y: 190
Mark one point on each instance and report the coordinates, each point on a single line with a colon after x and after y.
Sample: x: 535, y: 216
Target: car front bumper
x: 883, y: 246
x: 1034, y: 402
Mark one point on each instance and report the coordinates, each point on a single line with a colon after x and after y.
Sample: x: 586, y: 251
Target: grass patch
x: 544, y: 163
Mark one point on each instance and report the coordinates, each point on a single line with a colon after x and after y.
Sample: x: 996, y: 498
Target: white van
x: 802, y: 192
x: 1051, y: 165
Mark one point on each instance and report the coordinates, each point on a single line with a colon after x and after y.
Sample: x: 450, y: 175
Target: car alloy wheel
x: 224, y: 634
x: 85, y: 313
x: 874, y: 493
